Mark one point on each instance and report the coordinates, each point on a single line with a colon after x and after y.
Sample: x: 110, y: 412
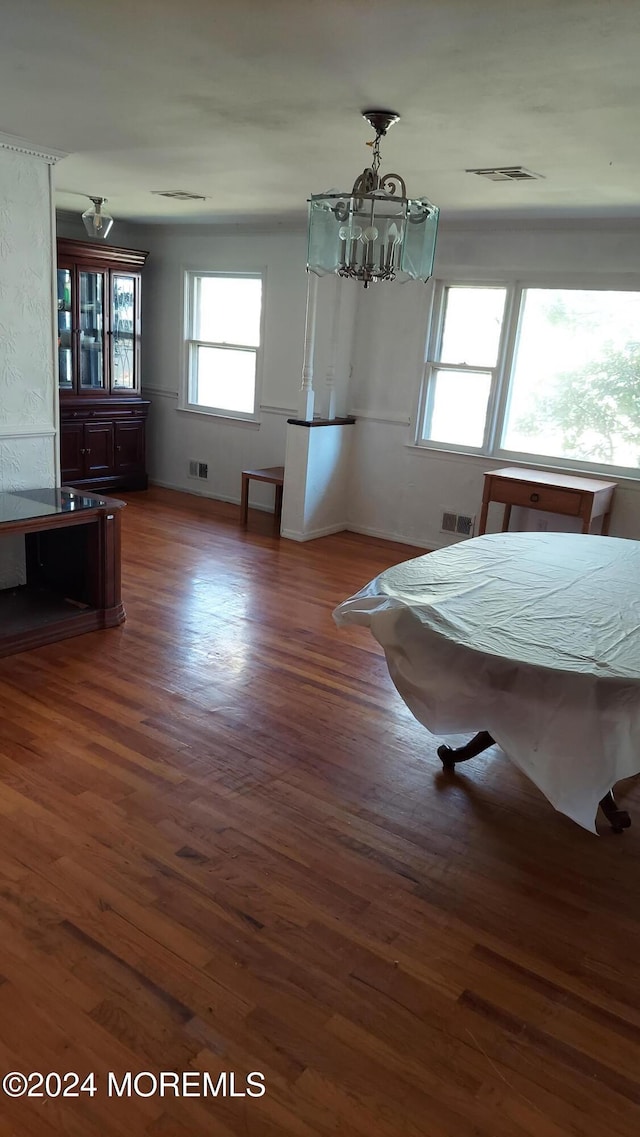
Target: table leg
x: 244, y: 503
x: 507, y: 518
x: 586, y: 521
x: 277, y: 513
x: 604, y: 528
x: 483, y: 514
x: 450, y: 756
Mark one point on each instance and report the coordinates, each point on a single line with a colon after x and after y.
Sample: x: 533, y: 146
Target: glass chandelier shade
x: 95, y: 220
x: 374, y: 232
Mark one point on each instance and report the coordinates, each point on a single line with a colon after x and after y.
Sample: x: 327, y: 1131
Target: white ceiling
x: 255, y: 103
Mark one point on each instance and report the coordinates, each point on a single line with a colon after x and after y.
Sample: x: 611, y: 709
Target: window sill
x: 496, y: 461
x: 248, y: 423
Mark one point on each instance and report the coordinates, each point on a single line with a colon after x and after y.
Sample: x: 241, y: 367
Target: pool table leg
x: 450, y: 756
x: 618, y: 818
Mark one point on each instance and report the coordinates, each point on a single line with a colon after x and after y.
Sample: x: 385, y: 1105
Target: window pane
x: 229, y: 310
x: 472, y: 326
x: 225, y: 379
x: 460, y: 407
x: 576, y: 382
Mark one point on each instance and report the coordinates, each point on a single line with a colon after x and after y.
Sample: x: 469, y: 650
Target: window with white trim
x: 223, y: 342
x: 544, y: 374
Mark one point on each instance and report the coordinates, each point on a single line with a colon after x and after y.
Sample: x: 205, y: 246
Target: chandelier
x: 375, y: 232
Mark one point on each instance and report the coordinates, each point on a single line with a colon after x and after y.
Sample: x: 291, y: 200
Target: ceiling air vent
x: 507, y: 174
x: 179, y: 195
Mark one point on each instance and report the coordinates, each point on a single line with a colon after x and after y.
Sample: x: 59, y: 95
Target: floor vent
x: 461, y: 524
x: 507, y: 174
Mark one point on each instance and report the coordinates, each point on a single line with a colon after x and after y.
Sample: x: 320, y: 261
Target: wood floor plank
x: 227, y: 846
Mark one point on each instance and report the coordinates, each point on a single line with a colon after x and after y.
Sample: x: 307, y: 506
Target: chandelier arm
x: 366, y: 182
x: 392, y: 183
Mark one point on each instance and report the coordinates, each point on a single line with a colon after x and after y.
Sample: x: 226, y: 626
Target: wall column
x: 28, y: 354
x: 307, y: 396
x: 333, y: 350
x: 316, y: 472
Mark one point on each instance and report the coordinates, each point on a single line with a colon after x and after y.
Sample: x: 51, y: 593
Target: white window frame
x: 191, y: 278
x: 501, y: 374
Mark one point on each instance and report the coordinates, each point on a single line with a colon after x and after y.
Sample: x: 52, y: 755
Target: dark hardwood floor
x: 225, y: 845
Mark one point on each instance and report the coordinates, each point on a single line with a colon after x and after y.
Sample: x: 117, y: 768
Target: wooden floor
x: 225, y: 845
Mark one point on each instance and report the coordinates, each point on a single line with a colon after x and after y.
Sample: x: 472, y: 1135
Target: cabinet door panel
x: 66, y: 322
x: 99, y: 455
x: 91, y: 332
x: 71, y: 452
x: 130, y: 446
x: 124, y: 331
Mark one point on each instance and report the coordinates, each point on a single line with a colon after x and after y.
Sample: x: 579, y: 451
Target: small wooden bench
x: 275, y: 476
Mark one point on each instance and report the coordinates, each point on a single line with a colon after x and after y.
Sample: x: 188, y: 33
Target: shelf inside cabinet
x: 23, y: 609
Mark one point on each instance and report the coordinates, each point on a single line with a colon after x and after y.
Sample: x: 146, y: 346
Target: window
x: 544, y: 373
x: 224, y: 336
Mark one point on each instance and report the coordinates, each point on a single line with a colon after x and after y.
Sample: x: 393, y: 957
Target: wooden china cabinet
x: 102, y: 413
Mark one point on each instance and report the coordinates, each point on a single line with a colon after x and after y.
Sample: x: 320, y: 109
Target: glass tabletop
x: 22, y: 505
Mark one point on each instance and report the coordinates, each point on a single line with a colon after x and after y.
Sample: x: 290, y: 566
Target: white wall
x: 398, y: 490
x: 228, y: 446
x: 28, y: 385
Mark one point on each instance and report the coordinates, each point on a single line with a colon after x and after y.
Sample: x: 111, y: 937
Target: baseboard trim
x: 201, y: 493
x: 313, y: 534
x: 385, y: 535
x: 325, y: 531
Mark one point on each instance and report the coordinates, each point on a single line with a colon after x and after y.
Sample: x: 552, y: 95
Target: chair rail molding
x: 381, y: 416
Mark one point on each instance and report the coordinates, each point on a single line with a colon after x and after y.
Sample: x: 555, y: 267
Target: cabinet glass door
x: 123, y: 332
x: 91, y: 330
x: 65, y: 352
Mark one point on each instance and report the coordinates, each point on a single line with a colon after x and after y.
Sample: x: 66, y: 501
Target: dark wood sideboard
x: 72, y: 566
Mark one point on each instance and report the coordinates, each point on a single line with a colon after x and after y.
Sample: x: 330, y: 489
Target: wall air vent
x: 198, y: 469
x: 507, y: 174
x: 179, y: 195
x: 462, y: 524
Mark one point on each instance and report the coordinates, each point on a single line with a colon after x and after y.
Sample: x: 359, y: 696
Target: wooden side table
x: 275, y: 476
x: 587, y: 498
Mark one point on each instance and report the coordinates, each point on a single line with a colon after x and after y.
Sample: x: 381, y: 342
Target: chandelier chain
x: 375, y: 162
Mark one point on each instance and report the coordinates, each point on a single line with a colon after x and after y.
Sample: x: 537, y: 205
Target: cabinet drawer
x: 533, y: 496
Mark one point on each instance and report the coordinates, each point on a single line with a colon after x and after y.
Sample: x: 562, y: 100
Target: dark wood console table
x: 72, y: 566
